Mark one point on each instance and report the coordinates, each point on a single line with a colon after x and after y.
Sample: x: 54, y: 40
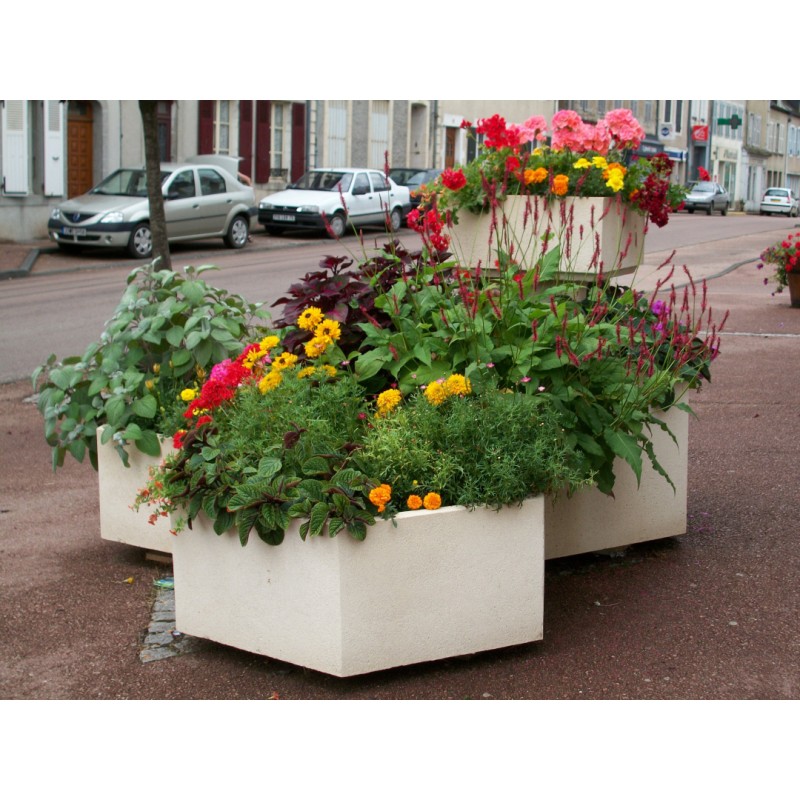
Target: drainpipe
x: 434, y: 127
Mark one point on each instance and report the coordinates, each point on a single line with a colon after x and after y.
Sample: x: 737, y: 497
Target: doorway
x: 80, y: 147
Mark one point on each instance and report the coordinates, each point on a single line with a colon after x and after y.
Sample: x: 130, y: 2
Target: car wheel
x: 793, y: 211
x: 690, y: 210
x: 395, y: 220
x: 710, y: 209
x: 237, y: 234
x: 140, y: 244
x: 725, y: 210
x: 336, y: 226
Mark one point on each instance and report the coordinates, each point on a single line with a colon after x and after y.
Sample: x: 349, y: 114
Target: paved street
x: 710, y: 615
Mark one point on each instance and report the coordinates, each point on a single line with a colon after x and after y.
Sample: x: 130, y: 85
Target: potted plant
x: 583, y: 193
x: 784, y: 256
x: 117, y: 401
x: 366, y: 546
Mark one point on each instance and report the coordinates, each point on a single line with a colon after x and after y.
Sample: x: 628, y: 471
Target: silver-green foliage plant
x: 167, y: 331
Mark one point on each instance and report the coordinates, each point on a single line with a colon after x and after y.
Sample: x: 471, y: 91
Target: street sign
x: 734, y: 121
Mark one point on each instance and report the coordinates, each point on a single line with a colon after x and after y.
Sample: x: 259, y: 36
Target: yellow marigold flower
x: 534, y: 175
x: 599, y: 162
x: 380, y: 496
x: 435, y: 393
x: 560, y: 185
x: 270, y: 381
x: 187, y: 395
x: 387, y: 401
x: 149, y: 385
x: 329, y: 369
x: 582, y: 163
x: 537, y: 151
x: 458, y: 385
x: 310, y: 318
x: 328, y: 329
x: 284, y: 361
x: 414, y: 502
x: 432, y: 501
x: 249, y: 361
x: 306, y: 372
x: 268, y: 343
x: 616, y: 179
x: 317, y: 346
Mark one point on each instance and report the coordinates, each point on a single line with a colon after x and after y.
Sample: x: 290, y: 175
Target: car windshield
x: 403, y: 176
x: 703, y: 187
x: 126, y: 183
x: 324, y: 181
x: 776, y: 193
x: 418, y: 178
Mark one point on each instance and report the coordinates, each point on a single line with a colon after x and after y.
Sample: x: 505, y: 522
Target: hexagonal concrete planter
x: 589, y: 230
x: 118, y: 487
x: 590, y: 520
x: 441, y: 583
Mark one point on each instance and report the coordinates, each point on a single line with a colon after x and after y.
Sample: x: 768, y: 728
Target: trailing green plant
x: 167, y: 331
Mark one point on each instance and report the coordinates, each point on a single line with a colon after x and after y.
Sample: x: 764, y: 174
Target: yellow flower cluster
x: 456, y: 385
x: 326, y: 331
x: 387, y: 401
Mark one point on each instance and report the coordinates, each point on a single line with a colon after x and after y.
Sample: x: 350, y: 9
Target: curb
x: 27, y: 265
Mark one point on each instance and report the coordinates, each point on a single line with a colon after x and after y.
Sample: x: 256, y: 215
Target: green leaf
x: 146, y: 406
x: 318, y: 518
x: 627, y: 447
x: 175, y: 336
x: 149, y: 443
x: 115, y: 410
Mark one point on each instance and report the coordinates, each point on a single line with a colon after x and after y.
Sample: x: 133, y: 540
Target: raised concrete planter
x: 590, y: 520
x: 589, y: 230
x: 442, y: 583
x: 118, y: 487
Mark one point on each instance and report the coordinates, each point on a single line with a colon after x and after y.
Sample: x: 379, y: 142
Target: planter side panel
x: 118, y: 487
x: 440, y: 584
x: 590, y: 520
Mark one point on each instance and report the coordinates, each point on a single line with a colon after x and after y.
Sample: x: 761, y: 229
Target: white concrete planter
x: 442, y: 583
x: 118, y: 487
x: 590, y: 230
x: 590, y: 520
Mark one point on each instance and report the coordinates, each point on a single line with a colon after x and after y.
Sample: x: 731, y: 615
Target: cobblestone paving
x: 161, y: 639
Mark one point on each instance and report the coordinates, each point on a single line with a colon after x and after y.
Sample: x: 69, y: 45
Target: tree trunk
x: 158, y: 221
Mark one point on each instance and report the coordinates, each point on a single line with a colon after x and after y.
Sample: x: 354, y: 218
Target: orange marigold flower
x: 380, y: 496
x: 560, y: 184
x: 537, y: 175
x: 432, y: 501
x: 414, y: 502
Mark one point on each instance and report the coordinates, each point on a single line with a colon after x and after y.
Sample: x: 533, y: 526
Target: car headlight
x: 112, y: 216
x: 265, y: 205
x: 308, y: 209
x: 55, y: 213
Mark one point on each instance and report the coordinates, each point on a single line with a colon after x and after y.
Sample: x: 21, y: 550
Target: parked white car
x: 334, y: 200
x: 201, y: 200
x: 779, y: 200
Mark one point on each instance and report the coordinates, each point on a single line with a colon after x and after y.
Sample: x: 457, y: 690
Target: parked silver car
x: 334, y: 200
x: 707, y: 196
x: 201, y: 200
x: 779, y: 200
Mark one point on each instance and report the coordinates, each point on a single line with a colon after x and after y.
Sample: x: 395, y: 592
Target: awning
x: 675, y: 155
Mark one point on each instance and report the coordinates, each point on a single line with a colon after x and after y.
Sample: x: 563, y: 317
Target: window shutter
x: 15, y: 147
x: 298, y: 141
x: 263, y: 115
x: 205, y: 124
x: 53, y: 148
x: 246, y: 137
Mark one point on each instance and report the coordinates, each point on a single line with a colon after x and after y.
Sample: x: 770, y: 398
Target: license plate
x: 775, y: 200
x: 283, y: 217
x: 73, y: 231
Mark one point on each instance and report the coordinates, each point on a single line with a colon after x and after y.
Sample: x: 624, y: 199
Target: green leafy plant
x: 166, y: 333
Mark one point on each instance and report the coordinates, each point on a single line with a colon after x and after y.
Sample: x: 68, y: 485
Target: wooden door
x: 80, y: 124
x: 450, y: 147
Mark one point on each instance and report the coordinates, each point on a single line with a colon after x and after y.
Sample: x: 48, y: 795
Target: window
x: 754, y: 130
x: 182, y: 185
x: 361, y: 184
x: 668, y: 111
x: 14, y: 151
x: 281, y: 137
x: 678, y: 115
x: 222, y: 127
x: 337, y: 133
x: 378, y: 133
x: 379, y: 182
x: 211, y: 182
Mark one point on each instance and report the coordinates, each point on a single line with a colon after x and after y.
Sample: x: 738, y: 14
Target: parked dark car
x: 413, y: 178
